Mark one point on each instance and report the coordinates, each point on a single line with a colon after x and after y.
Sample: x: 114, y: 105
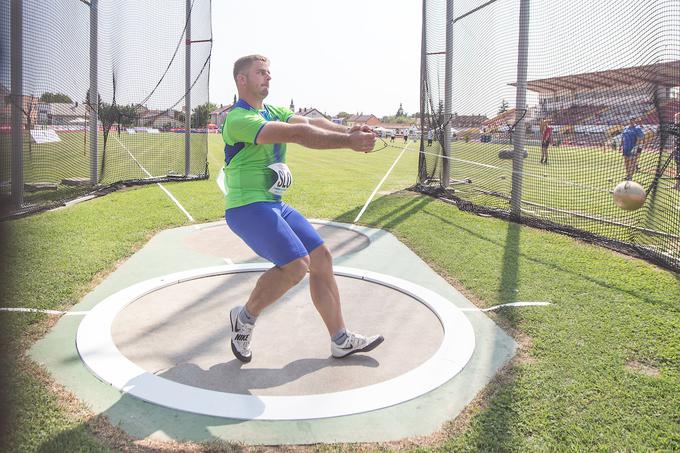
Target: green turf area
x: 127, y: 157
x: 574, y: 190
x: 599, y: 369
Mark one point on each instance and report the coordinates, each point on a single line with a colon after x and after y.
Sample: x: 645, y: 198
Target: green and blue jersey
x: 253, y: 172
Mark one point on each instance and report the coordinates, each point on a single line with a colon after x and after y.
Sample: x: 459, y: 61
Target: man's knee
x: 321, y: 259
x: 296, y: 270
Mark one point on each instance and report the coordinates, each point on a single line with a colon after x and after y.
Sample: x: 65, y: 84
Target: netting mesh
x: 602, y: 79
x: 141, y: 48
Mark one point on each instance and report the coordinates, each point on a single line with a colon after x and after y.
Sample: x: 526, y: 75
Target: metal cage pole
x: 187, y: 96
x: 519, y: 134
x: 423, y: 74
x: 448, y: 82
x: 94, y: 91
x: 17, y: 163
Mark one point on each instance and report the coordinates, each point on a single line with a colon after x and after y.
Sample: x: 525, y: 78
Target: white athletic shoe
x: 355, y: 343
x: 241, y: 334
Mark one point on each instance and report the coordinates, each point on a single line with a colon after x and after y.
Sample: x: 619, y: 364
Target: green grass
x: 577, y: 180
x: 578, y: 386
x: 157, y: 155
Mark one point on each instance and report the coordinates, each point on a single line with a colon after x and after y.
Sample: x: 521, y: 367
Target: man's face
x: 257, y: 79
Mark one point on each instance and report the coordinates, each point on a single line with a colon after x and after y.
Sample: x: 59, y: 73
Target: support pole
x: 448, y: 101
x: 187, y: 90
x: 423, y: 74
x: 94, y: 91
x: 519, y: 133
x: 17, y: 96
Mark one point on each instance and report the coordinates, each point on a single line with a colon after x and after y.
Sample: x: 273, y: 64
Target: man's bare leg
x: 324, y: 289
x: 275, y: 283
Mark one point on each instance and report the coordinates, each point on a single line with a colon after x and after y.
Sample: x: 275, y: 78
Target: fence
x: 532, y: 104
x: 100, y: 92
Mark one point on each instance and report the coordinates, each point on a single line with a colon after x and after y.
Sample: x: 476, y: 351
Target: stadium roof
x: 664, y: 74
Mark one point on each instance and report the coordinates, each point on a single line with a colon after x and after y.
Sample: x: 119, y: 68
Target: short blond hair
x: 242, y: 65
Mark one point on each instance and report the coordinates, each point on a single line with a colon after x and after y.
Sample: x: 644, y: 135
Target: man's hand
x: 361, y: 128
x: 362, y: 141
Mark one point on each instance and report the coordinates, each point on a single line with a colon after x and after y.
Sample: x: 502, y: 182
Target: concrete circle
x: 218, y: 240
x: 265, y: 392
x: 291, y: 345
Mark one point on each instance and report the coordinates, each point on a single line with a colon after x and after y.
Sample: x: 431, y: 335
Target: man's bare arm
x: 323, y: 123
x: 314, y: 137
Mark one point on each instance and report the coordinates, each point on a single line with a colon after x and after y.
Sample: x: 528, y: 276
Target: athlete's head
x: 251, y: 74
x: 631, y: 122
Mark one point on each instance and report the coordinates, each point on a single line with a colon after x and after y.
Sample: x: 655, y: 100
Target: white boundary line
x: 380, y: 183
x: 167, y: 192
x: 100, y: 354
x: 49, y: 312
x: 511, y: 304
x: 230, y: 262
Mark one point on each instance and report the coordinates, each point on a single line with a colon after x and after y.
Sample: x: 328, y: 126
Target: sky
x: 357, y: 56
x: 364, y: 56
x: 353, y: 56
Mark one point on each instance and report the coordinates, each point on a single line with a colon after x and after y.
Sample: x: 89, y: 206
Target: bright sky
x: 351, y: 55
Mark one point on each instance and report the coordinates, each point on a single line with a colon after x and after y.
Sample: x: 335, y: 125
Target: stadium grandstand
x: 611, y: 97
x: 594, y: 107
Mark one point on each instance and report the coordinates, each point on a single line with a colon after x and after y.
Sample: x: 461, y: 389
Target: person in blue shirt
x: 631, y: 136
x: 676, y: 150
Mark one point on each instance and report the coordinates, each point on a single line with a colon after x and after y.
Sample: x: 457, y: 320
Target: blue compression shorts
x: 274, y: 231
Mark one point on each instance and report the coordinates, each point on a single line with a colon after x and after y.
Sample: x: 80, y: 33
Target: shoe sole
x: 367, y: 348
x: 237, y: 354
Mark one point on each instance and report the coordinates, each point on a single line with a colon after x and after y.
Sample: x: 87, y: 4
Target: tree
x: 440, y: 114
x: 201, y: 115
x: 107, y: 114
x: 128, y: 115
x: 51, y: 98
x: 29, y: 123
x: 503, y: 107
x: 342, y: 115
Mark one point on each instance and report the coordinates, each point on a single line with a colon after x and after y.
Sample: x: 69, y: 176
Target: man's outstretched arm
x: 323, y: 123
x: 315, y: 137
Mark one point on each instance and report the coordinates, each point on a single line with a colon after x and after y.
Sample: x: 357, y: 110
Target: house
x: 310, y: 113
x: 160, y: 119
x: 218, y: 115
x: 370, y: 120
x: 62, y: 113
x: 29, y: 104
x: 397, y: 128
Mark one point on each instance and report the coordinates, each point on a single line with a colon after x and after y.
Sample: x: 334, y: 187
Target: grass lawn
x: 597, y: 369
x: 156, y: 154
x: 577, y: 180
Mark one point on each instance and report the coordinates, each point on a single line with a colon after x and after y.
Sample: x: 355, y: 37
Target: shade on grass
x: 603, y: 361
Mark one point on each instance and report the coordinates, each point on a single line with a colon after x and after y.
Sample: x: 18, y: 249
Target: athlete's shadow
x: 141, y: 419
x: 235, y: 377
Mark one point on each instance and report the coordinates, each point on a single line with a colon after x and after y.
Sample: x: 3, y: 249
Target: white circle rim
x: 101, y: 356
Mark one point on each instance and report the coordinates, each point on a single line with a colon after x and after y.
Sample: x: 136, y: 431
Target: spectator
x: 630, y: 137
x: 676, y: 150
x: 546, y: 139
